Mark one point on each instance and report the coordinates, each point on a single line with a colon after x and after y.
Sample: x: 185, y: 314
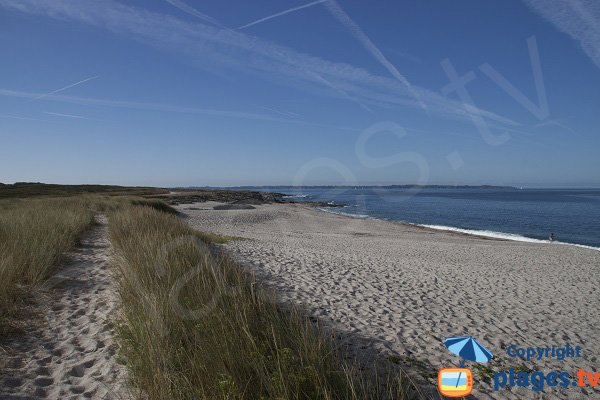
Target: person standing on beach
x: 551, y: 237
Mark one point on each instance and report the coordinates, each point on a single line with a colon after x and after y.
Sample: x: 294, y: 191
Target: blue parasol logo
x: 468, y: 348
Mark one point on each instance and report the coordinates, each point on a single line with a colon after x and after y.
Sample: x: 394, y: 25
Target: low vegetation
x: 33, y: 236
x: 36, y: 189
x: 186, y: 196
x: 197, y: 326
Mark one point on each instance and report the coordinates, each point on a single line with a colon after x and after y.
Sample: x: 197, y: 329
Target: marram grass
x: 197, y: 326
x: 34, y: 234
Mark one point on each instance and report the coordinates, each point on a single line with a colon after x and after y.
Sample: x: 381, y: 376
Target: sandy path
x: 400, y: 290
x: 71, y: 355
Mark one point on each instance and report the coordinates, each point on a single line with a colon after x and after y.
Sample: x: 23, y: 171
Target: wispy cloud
x: 17, y: 117
x: 285, y: 113
x: 279, y: 14
x: 163, y: 108
x: 65, y: 115
x: 233, y: 50
x: 192, y: 11
x: 580, y: 19
x: 66, y: 87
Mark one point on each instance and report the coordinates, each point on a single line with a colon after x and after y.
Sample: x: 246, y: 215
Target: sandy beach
x: 398, y: 290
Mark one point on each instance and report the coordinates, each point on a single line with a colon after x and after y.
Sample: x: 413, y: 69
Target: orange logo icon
x: 455, y: 382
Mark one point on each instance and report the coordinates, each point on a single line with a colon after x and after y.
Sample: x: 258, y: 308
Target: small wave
x: 295, y: 196
x: 485, y: 233
x: 335, y: 211
x: 500, y: 235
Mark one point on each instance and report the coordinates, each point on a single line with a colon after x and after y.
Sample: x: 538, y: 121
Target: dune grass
x: 34, y: 234
x: 156, y: 204
x: 197, y: 326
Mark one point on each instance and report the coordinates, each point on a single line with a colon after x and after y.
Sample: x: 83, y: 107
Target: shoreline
x: 483, y: 234
x: 395, y: 291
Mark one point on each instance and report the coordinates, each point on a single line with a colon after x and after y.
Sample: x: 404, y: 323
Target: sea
x: 572, y: 215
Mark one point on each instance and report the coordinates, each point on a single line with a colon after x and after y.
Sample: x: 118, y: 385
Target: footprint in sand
x: 76, y: 341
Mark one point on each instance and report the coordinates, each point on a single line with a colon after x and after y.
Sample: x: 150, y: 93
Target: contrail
x: 65, y: 88
x: 556, y: 123
x: 288, y: 114
x: 65, y: 115
x: 17, y: 117
x: 240, y: 52
x: 192, y: 11
x: 341, y: 91
x: 577, y: 19
x: 258, y: 21
x: 168, y: 108
x: 364, y: 40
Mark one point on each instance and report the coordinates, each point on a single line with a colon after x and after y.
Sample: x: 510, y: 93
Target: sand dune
x: 399, y: 290
x: 72, y: 354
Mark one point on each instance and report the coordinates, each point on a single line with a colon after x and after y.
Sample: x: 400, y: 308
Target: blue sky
x: 181, y: 92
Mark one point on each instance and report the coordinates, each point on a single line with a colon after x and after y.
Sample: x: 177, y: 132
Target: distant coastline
x: 355, y: 187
